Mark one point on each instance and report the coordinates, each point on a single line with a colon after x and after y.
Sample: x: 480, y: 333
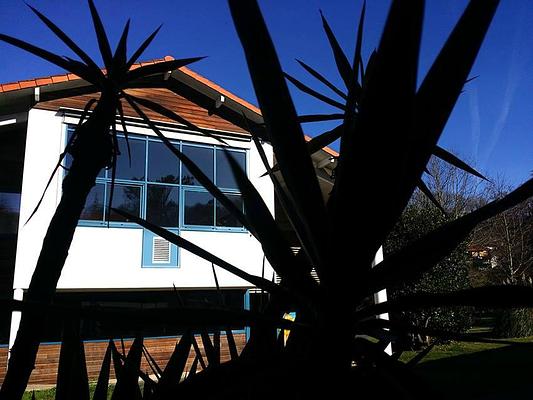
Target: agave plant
x: 339, y: 341
x: 93, y: 146
x: 336, y: 345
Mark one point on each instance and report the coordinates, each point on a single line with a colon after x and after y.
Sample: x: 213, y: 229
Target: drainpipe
x: 381, y: 296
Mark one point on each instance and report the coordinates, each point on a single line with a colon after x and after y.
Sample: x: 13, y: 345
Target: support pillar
x: 15, y: 320
x: 381, y: 296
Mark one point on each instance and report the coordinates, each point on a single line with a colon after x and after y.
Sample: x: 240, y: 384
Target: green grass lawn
x: 479, y: 370
x: 49, y: 394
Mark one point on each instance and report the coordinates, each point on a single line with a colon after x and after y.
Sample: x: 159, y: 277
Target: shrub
x: 449, y: 275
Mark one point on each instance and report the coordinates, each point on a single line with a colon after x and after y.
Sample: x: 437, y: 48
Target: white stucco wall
x: 111, y: 258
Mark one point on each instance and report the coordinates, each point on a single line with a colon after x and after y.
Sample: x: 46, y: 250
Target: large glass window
x: 203, y: 158
x: 155, y: 185
x: 162, y: 205
x: 224, y: 217
x: 131, y: 168
x: 225, y: 178
x: 125, y: 198
x: 162, y: 165
x: 199, y: 208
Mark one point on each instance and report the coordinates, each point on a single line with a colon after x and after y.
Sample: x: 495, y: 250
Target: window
x: 225, y: 178
x: 152, y: 183
x: 203, y: 158
x: 199, y: 208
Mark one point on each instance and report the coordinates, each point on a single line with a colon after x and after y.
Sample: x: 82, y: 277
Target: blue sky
x: 491, y: 126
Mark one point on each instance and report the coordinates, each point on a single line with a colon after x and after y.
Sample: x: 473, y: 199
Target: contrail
x: 475, y: 122
x: 518, y: 59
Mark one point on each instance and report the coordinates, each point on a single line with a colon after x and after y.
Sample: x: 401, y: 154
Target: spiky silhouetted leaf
x: 119, y: 59
x: 343, y: 66
x: 62, y: 157
x: 124, y: 130
x: 421, y: 355
x: 127, y: 386
x: 282, y: 122
x: 507, y: 296
x: 159, y: 67
x: 194, y: 367
x: 232, y: 346
x: 427, y: 192
x: 102, y: 385
x: 72, y: 379
x: 321, y: 78
x: 455, y: 161
x: 319, y: 117
x: 152, y: 363
x: 84, y: 72
x: 70, y: 43
x: 410, y: 262
x: 216, y: 344
x: 276, y: 248
x: 117, y: 361
x: 357, y: 58
x: 198, y: 353
x: 175, y: 367
x: 209, y: 349
x: 142, y: 47
x: 387, y: 105
x: 324, y: 139
x: 306, y: 89
x: 101, y: 37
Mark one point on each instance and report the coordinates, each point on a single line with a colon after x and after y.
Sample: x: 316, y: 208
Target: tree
x: 508, y: 240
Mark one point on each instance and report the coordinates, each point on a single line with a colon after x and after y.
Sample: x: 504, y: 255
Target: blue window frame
x: 156, y: 186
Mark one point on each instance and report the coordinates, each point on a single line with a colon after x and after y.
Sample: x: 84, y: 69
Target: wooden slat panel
x: 160, y: 348
x: 166, y: 98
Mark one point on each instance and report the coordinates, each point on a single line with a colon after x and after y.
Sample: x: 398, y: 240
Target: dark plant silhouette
x: 336, y: 344
x: 339, y: 343
x: 93, y: 146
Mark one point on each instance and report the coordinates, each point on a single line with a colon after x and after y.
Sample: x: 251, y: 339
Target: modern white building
x: 113, y: 261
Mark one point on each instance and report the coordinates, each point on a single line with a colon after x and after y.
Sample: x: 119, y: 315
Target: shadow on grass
x: 502, y: 373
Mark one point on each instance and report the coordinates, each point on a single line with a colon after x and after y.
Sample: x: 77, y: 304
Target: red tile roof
x: 12, y: 86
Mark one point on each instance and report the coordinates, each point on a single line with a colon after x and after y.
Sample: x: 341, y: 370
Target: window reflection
x: 225, y: 178
x: 162, y: 205
x: 126, y: 198
x: 162, y: 164
x: 224, y: 217
x: 199, y: 208
x: 94, y: 205
x: 203, y: 158
x: 124, y: 170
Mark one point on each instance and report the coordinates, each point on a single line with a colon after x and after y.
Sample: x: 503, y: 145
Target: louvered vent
x: 161, y: 250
